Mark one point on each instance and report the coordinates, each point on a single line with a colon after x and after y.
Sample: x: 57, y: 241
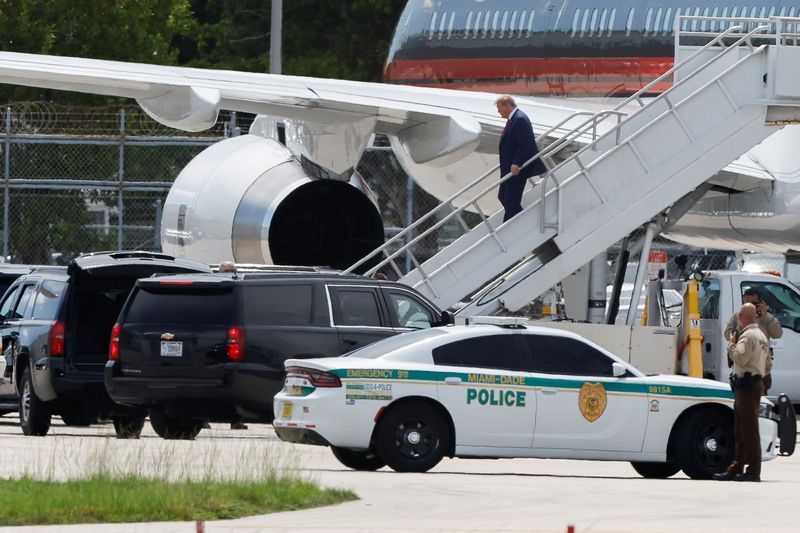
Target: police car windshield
x: 383, y: 347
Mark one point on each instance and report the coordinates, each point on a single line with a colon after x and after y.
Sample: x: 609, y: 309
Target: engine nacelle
x: 247, y: 199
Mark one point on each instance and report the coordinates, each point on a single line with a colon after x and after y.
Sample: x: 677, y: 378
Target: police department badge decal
x: 592, y: 401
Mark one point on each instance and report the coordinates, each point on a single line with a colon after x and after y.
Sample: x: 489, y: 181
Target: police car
x: 506, y: 391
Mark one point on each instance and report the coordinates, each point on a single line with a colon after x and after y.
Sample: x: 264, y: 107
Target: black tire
x: 412, y: 437
x: 174, y: 428
x: 704, y: 443
x: 364, y: 460
x: 34, y: 414
x: 128, y: 427
x: 78, y: 418
x: 655, y: 470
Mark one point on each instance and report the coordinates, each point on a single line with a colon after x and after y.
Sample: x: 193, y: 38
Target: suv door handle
x: 350, y: 342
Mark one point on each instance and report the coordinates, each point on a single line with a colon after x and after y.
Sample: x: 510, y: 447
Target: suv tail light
x: 318, y: 378
x: 113, y: 346
x: 235, y: 343
x: 56, y: 339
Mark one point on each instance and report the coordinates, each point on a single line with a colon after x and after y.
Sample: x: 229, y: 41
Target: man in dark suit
x: 517, y: 145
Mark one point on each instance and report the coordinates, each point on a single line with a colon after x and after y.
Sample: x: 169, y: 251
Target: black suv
x: 195, y: 348
x: 56, y: 327
x: 8, y: 396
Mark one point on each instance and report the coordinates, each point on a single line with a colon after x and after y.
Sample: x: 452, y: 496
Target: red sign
x: 656, y: 261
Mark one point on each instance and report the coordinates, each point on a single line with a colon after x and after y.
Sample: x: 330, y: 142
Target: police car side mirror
x: 619, y: 370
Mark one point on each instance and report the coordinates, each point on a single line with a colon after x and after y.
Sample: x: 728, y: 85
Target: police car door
x: 580, y: 405
x: 483, y: 386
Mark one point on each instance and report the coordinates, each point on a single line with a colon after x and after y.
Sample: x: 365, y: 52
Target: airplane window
x: 575, y: 20
x: 433, y: 26
x: 450, y: 26
x: 704, y: 24
x: 753, y: 12
x: 530, y: 23
x: 657, y: 22
x: 468, y: 24
x: 584, y: 22
x: 477, y: 25
x: 695, y: 22
x: 629, y: 23
x: 503, y: 23
x: 602, y: 25
x: 512, y: 25
x: 724, y: 25
x: 611, y: 20
x: 714, y: 23
x: 734, y: 12
x: 647, y: 19
x: 593, y: 23
x: 676, y: 20
x: 763, y: 12
x: 667, y: 21
x: 487, y: 15
x: 494, y: 23
x: 790, y: 27
x: 522, y: 18
x: 442, y: 25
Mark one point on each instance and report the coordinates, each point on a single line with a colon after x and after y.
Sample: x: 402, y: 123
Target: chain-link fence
x: 86, y: 179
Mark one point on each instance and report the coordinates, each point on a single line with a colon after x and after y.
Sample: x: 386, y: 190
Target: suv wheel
x: 34, y: 415
x: 128, y: 427
x: 364, y: 460
x: 78, y: 418
x: 169, y: 427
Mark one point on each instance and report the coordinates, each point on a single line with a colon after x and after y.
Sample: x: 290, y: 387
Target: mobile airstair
x: 736, y: 81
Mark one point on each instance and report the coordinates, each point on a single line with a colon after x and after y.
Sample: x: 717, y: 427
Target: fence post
x: 6, y: 183
x: 409, y: 215
x: 121, y: 172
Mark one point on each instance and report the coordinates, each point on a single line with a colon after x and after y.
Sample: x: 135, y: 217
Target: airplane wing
x: 438, y: 129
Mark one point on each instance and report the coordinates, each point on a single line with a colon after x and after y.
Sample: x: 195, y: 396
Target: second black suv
x: 56, y: 326
x: 194, y: 348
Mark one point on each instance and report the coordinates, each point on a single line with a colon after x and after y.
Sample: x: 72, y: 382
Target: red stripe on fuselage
x: 583, y: 76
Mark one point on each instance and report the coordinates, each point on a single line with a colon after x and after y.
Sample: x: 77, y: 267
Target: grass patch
x: 133, y: 498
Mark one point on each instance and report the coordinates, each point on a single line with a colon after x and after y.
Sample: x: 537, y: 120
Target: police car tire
x: 406, y: 423
x: 364, y: 460
x: 691, y: 444
x: 655, y: 470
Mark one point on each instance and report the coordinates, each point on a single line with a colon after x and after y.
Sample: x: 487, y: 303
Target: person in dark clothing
x: 517, y: 146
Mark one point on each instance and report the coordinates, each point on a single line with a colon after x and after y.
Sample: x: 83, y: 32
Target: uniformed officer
x: 768, y: 324
x: 750, y: 354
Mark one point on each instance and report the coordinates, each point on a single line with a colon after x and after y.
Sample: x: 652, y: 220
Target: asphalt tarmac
x: 459, y: 495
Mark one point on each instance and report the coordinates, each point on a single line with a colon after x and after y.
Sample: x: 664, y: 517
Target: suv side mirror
x: 446, y: 319
x: 619, y: 370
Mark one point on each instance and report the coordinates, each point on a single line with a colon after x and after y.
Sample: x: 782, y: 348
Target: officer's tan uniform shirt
x: 751, y: 352
x: 768, y: 325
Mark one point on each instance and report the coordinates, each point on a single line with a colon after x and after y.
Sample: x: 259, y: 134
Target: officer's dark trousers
x: 748, y: 443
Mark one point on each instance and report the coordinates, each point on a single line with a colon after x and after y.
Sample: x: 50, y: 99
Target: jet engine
x: 249, y: 200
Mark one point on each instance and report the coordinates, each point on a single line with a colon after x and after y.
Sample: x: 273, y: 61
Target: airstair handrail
x: 592, y: 121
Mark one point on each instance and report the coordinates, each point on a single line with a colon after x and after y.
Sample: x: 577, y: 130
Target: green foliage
x: 125, y: 30
x: 346, y: 40
x: 138, y: 499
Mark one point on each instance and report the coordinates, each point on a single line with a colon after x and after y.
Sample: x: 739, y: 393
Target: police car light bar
x: 504, y: 321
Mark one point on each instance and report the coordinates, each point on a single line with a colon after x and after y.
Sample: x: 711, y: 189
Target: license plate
x: 286, y: 410
x: 171, y: 348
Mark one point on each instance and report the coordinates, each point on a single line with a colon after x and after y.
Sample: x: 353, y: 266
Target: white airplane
x: 287, y: 192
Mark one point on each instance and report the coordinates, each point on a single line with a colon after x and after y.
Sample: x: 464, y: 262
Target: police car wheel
x: 655, y: 470
x: 364, y: 460
x: 704, y: 443
x: 412, y: 437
